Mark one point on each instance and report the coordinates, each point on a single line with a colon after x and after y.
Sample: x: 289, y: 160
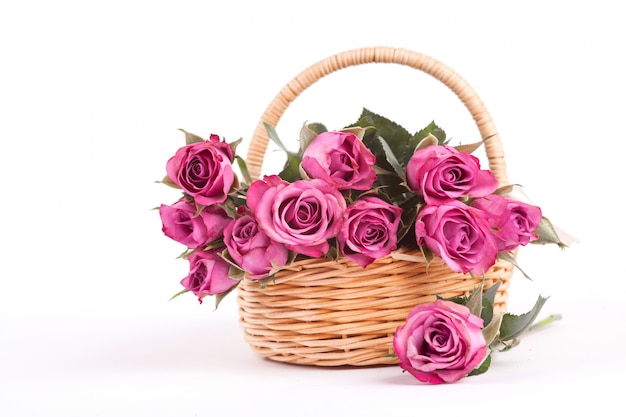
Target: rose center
x: 302, y: 216
x: 248, y: 230
x: 198, y: 171
x: 341, y: 166
x: 371, y: 234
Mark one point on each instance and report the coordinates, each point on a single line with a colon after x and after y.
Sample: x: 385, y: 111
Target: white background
x: 91, y: 96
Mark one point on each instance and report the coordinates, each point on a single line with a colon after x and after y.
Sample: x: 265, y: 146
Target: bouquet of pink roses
x: 360, y: 193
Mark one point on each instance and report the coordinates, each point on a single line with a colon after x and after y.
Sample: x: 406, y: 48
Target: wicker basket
x: 328, y: 313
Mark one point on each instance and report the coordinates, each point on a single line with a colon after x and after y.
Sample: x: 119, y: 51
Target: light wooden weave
x: 326, y: 313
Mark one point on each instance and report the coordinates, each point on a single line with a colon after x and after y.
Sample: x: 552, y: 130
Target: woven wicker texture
x: 325, y: 313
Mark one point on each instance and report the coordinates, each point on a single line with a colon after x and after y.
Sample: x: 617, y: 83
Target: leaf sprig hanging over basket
x: 329, y: 226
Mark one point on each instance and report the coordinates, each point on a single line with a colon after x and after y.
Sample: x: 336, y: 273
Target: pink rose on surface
x: 459, y: 235
x: 441, y: 173
x: 369, y: 230
x: 440, y: 342
x: 341, y: 159
x: 208, y: 274
x: 513, y: 223
x: 203, y: 170
x: 302, y: 215
x: 252, y: 249
x: 180, y: 223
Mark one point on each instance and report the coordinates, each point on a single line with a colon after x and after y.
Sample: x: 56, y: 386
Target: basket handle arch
x: 381, y: 54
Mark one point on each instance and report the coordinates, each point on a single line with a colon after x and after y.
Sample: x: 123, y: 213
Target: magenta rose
x: 513, y: 223
x: 208, y: 274
x: 203, y: 170
x: 341, y: 159
x: 252, y: 250
x: 302, y: 215
x: 182, y: 225
x: 369, y: 230
x: 458, y: 234
x: 441, y: 173
x: 440, y: 342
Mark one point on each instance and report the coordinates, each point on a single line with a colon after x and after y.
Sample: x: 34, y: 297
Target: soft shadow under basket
x: 326, y: 313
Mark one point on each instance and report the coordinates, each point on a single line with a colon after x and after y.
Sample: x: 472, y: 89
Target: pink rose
x: 513, y: 223
x: 441, y: 173
x: 208, y: 274
x: 459, y: 235
x: 340, y: 159
x: 302, y: 215
x: 203, y: 170
x: 369, y: 230
x: 252, y: 250
x: 440, y: 342
x: 180, y: 223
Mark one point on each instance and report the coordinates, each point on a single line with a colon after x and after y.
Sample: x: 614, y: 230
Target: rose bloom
x: 440, y: 342
x: 203, y: 170
x: 180, y: 223
x: 252, y: 249
x: 459, y: 235
x: 341, y: 159
x: 441, y: 173
x: 369, y: 230
x: 513, y: 223
x: 208, y: 274
x: 302, y: 215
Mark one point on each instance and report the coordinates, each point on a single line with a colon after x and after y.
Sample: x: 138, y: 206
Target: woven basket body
x: 327, y: 313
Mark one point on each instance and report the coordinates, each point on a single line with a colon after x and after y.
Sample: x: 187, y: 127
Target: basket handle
x: 482, y: 118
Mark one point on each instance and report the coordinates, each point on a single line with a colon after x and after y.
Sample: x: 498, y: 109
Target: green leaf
x: 191, y: 138
x: 506, y: 189
x: 391, y: 158
x: 357, y: 131
x: 509, y: 345
x: 370, y: 140
x: 234, y: 272
x: 469, y: 148
x: 491, y: 330
x: 483, y: 367
x: 489, y: 297
x: 506, y: 256
x: 475, y: 301
x: 243, y: 167
x: 551, y: 318
x: 306, y: 136
x: 391, y: 187
x: 429, y: 140
x: 396, y: 136
x: 273, y: 135
x: 409, y: 214
x: 199, y: 208
x: 431, y: 129
x: 490, y: 293
x: 291, y: 169
x: 514, y: 326
x: 220, y: 297
x: 461, y: 299
x: 234, y: 145
x: 318, y: 128
x: 181, y: 292
x: 185, y: 254
x: 547, y: 234
x: 167, y: 181
x: 428, y: 256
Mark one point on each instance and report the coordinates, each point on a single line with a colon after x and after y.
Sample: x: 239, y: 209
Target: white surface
x: 91, y: 95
